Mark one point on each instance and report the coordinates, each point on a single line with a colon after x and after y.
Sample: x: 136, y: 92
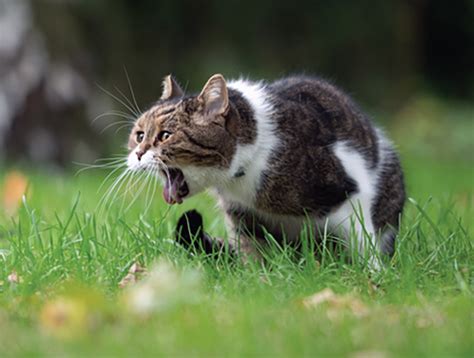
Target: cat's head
x: 188, y: 140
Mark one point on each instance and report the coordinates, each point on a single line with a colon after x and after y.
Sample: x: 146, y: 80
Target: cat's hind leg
x: 353, y: 221
x: 354, y: 216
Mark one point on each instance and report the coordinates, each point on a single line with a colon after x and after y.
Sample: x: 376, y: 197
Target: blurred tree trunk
x: 41, y: 100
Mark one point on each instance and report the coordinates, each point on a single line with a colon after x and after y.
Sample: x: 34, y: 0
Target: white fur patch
x: 252, y: 158
x: 201, y: 178
x: 145, y: 162
x: 355, y: 215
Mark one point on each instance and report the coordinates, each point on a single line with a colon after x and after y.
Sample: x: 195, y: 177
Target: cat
x: 277, y: 155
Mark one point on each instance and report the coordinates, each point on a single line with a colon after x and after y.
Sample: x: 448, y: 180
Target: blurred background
x: 409, y: 64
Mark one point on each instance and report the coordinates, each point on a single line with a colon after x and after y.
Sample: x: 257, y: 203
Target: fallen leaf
x: 74, y: 314
x: 164, y: 287
x: 14, y: 278
x: 336, y: 304
x: 369, y: 354
x: 64, y: 317
x: 429, y: 318
x: 134, y: 274
x: 318, y: 298
x: 14, y: 188
x: 264, y: 279
x: 373, y: 288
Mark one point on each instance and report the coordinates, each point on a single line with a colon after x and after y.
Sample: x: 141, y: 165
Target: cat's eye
x: 140, y: 136
x: 163, y: 135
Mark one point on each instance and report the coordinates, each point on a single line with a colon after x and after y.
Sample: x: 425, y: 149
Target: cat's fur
x: 276, y: 154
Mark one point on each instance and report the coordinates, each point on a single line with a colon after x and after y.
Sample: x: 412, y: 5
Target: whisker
x: 152, y: 186
x: 139, y: 191
x: 149, y: 180
x: 116, y: 194
x: 131, y: 89
x: 119, y: 100
x: 126, y: 99
x: 103, y: 167
x: 155, y: 185
x: 130, y: 183
x: 110, y: 163
x: 163, y: 166
x: 127, y: 124
x: 119, y: 156
x: 105, y: 198
x: 98, y: 165
x: 114, y: 113
x: 121, y: 127
x: 107, y: 178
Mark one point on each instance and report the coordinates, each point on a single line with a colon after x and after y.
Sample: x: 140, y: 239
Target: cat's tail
x: 190, y: 234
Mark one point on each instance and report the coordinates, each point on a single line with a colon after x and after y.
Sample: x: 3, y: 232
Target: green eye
x: 164, y: 135
x: 140, y: 136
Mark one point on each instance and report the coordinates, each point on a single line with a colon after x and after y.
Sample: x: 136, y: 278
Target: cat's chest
x: 239, y: 193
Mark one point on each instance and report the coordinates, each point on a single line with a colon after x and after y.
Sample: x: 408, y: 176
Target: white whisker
x: 105, y: 198
x: 131, y: 90
x: 115, y: 114
x: 127, y: 124
x: 133, y: 111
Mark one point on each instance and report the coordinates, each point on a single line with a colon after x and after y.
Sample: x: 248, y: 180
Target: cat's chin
x: 175, y: 187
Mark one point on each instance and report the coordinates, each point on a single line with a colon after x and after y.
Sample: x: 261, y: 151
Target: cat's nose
x: 142, y: 150
x: 140, y: 154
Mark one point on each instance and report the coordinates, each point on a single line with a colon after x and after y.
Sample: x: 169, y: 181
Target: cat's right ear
x: 214, y: 96
x: 171, y: 88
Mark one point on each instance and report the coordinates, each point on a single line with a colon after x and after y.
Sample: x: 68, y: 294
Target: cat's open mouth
x: 175, y: 188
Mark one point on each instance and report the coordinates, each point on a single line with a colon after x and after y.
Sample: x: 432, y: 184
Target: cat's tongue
x: 175, y: 188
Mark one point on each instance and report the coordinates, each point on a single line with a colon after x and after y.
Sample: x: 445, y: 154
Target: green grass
x: 63, y: 250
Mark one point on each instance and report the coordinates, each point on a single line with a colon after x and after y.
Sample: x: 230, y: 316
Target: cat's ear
x: 171, y: 88
x: 214, y: 96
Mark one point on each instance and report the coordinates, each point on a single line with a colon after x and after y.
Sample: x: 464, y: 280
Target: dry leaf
x: 429, y: 318
x: 14, y: 188
x: 79, y: 312
x: 318, y: 298
x: 264, y: 279
x: 369, y: 354
x: 373, y: 288
x: 164, y: 287
x: 66, y: 317
x: 336, y: 304
x: 13, y: 277
x: 134, y: 274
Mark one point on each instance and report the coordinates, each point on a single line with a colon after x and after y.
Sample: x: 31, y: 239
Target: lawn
x: 63, y: 261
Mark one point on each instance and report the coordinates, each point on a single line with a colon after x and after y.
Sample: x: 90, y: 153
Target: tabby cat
x: 276, y: 155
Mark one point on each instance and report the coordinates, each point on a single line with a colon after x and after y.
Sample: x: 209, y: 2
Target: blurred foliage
x: 381, y: 51
x: 398, y: 58
x: 436, y: 129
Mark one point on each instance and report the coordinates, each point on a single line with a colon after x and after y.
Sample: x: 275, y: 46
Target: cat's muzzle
x: 175, y: 188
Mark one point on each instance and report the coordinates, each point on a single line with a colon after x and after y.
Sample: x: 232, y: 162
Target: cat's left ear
x: 214, y: 96
x: 171, y: 88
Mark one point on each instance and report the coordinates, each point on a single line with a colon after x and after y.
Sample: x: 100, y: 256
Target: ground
x: 63, y: 264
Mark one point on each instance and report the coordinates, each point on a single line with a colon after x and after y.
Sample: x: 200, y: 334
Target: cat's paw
x: 189, y: 229
x: 190, y: 234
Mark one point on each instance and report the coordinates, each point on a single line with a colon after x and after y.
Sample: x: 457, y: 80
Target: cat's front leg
x: 191, y: 235
x: 245, y: 233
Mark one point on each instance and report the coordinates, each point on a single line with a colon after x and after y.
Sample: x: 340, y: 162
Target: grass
x: 69, y: 260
